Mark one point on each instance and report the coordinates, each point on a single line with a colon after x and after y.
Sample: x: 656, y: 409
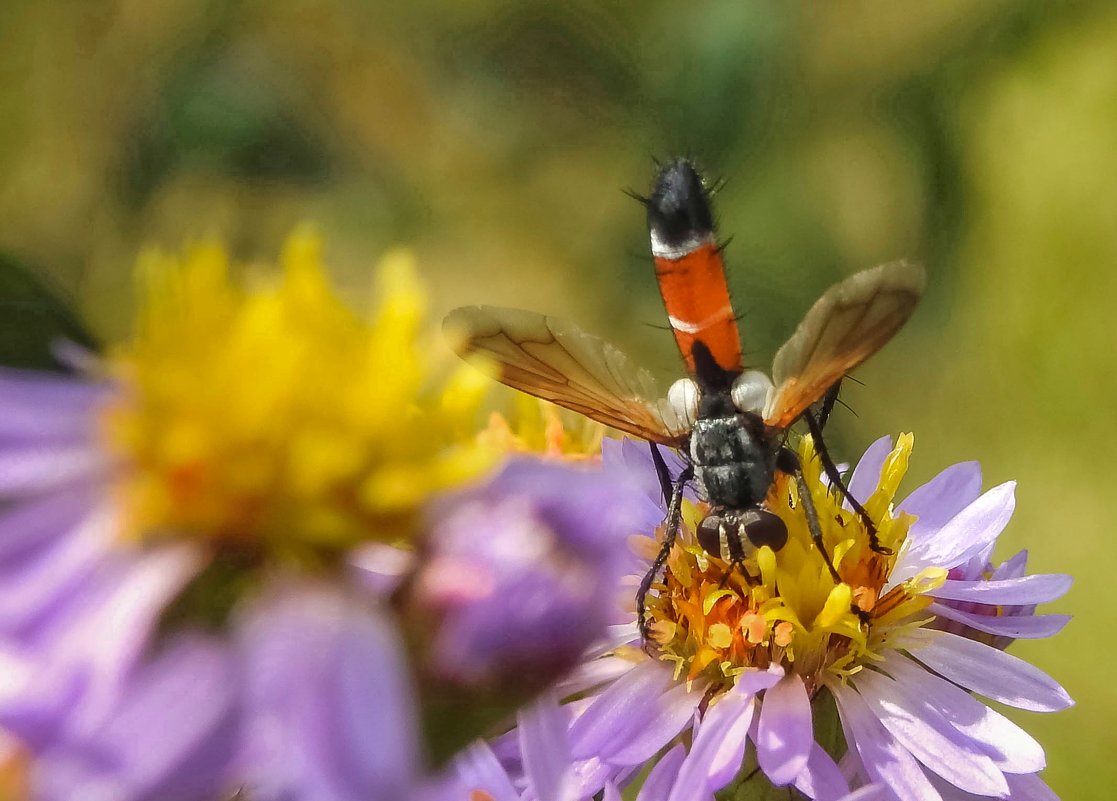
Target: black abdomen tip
x: 679, y: 206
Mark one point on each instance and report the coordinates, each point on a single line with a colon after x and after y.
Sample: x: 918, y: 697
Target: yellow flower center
x: 714, y: 621
x: 272, y: 419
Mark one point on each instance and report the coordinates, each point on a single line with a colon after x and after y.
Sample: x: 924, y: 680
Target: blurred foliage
x: 495, y: 137
x: 33, y: 319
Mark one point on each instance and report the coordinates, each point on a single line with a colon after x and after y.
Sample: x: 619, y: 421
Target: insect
x: 729, y: 422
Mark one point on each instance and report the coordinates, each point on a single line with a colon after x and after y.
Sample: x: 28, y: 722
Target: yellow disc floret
x: 266, y: 415
x: 714, y: 621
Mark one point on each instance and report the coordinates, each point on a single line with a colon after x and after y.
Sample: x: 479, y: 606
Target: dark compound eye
x: 709, y: 535
x: 764, y: 528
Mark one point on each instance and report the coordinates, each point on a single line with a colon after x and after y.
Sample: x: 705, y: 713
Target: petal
x: 1029, y: 787
x: 929, y: 737
x: 593, y: 674
x: 990, y: 672
x: 41, y: 406
x: 57, y: 568
x: 620, y: 711
x: 546, y: 750
x: 132, y: 592
x: 866, y: 475
x: 941, y: 498
x: 1011, y: 748
x: 674, y: 709
x: 718, y: 748
x: 719, y: 745
x: 884, y: 759
x: 785, y: 735
x: 38, y: 468
x: 330, y: 705
x: 1018, y: 627
x: 821, y: 779
x: 1036, y: 589
x: 967, y: 533
x: 591, y: 775
x: 1013, y: 567
x: 477, y: 768
x: 170, y: 736
x: 868, y: 793
x: 658, y: 784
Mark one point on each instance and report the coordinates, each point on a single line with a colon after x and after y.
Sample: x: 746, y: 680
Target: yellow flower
x: 265, y: 415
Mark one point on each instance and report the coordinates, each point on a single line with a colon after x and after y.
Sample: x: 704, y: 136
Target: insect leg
x: 789, y: 463
x: 674, y: 497
x: 838, y: 483
x: 826, y: 405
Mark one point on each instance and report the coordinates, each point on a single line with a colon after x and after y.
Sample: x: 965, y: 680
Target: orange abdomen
x: 696, y: 296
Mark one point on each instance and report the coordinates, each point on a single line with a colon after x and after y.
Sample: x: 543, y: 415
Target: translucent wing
x: 556, y: 360
x: 848, y: 324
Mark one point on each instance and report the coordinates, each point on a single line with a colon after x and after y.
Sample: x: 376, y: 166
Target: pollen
x: 713, y: 621
x: 259, y: 411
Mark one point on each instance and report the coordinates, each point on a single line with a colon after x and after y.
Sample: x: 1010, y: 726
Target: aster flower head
x: 182, y: 529
x: 511, y: 585
x: 759, y: 663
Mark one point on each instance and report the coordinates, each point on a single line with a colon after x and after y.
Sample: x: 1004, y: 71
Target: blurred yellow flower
x: 266, y: 415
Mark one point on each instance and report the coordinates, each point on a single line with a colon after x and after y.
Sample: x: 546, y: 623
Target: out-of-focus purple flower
x: 183, y: 534
x: 515, y: 579
x: 513, y: 582
x: 749, y: 668
x: 305, y: 696
x: 305, y: 686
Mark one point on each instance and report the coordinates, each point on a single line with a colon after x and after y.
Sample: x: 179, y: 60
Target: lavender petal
x: 44, y: 467
x: 661, y: 778
x: 674, y: 709
x: 1011, y: 748
x: 990, y: 672
x: 546, y: 749
x: 1018, y: 627
x: 785, y: 736
x: 866, y: 475
x: 721, y: 738
x: 884, y: 759
x: 1035, y: 589
x: 967, y: 533
x: 929, y: 737
x: 941, y: 498
x: 170, y: 737
x: 620, y: 711
x: 329, y: 703
x: 821, y: 779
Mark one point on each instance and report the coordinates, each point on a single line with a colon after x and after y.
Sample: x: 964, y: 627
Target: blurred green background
x: 495, y: 137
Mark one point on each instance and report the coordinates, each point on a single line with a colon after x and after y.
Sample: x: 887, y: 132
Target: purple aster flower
x: 515, y: 579
x: 894, y: 656
x: 184, y: 610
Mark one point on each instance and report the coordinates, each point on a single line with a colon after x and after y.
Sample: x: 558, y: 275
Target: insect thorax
x: 732, y: 460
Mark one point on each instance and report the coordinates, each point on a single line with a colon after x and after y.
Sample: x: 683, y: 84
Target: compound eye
x: 750, y: 391
x: 683, y: 397
x: 764, y: 528
x: 709, y: 535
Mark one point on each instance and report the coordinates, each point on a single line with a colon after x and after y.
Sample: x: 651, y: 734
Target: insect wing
x: 556, y: 360
x: 848, y: 324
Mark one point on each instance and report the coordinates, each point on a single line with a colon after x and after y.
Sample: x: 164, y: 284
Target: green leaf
x: 33, y: 318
